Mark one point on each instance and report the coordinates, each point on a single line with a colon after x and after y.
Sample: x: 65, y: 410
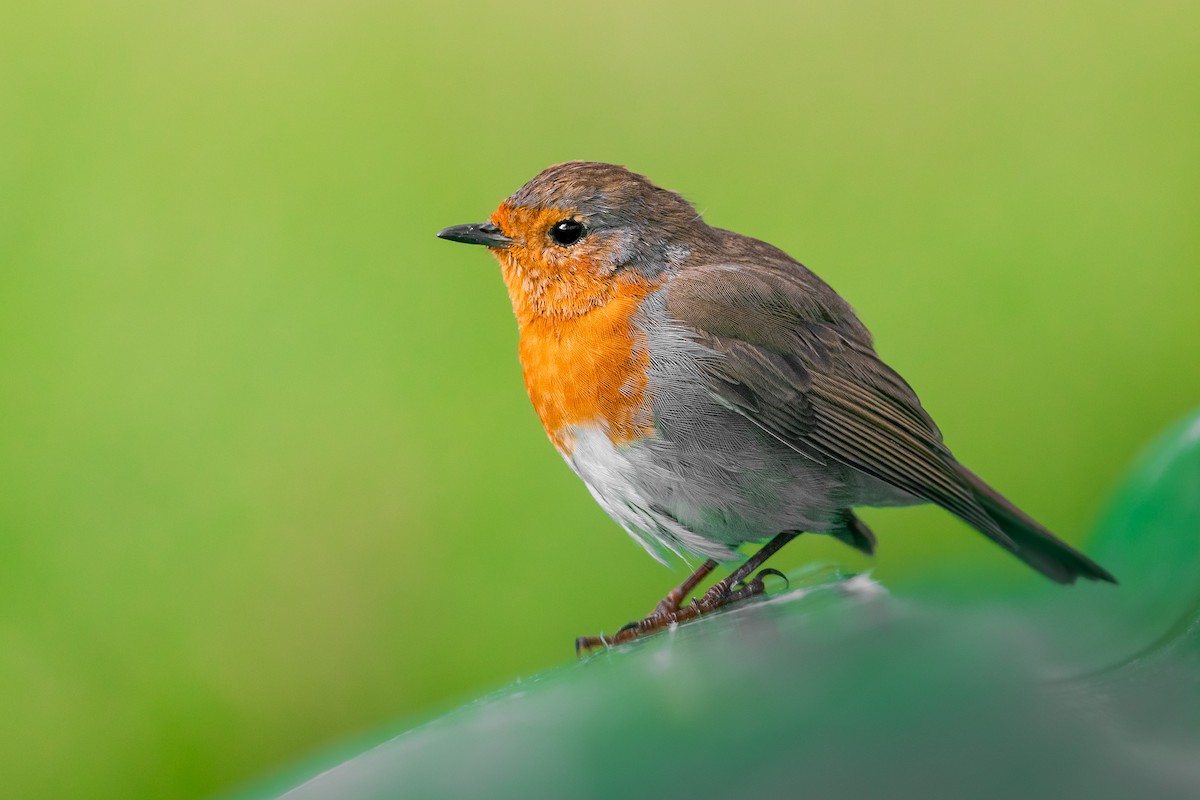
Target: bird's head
x: 568, y: 237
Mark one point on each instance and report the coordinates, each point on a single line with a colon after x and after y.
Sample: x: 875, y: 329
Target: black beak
x: 478, y: 233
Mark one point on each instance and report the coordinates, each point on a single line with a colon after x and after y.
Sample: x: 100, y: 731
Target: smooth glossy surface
x: 838, y: 688
x: 270, y: 474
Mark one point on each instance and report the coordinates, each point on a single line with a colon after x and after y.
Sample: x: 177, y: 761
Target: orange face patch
x: 544, y: 279
x: 584, y: 361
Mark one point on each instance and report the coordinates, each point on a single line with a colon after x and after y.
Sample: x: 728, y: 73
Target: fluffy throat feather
x: 536, y: 291
x: 590, y: 368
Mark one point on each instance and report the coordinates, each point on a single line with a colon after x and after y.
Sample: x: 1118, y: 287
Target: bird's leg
x: 670, y: 603
x: 666, y: 612
x: 723, y: 591
x: 732, y: 589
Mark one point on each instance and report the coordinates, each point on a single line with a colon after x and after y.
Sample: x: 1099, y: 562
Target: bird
x: 711, y: 391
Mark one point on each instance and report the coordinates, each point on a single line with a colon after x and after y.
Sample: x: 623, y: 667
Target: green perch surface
x: 840, y: 688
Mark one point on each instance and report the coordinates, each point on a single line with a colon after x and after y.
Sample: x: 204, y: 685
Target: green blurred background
x: 269, y: 474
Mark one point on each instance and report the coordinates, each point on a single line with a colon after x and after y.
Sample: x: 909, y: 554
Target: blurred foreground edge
x: 838, y: 689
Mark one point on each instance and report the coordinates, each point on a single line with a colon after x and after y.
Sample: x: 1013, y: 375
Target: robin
x: 711, y: 391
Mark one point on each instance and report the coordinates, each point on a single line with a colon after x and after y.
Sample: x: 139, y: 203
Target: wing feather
x: 799, y: 365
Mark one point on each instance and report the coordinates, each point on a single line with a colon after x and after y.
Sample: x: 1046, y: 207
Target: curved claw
x: 584, y: 645
x: 716, y: 595
x: 762, y: 573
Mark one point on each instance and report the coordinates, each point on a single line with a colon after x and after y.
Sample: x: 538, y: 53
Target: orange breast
x: 590, y: 369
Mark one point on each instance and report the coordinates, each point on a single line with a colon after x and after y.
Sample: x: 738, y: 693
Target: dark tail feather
x: 855, y: 533
x: 1035, y: 545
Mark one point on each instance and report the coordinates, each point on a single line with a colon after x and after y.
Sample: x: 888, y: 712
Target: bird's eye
x: 567, y: 232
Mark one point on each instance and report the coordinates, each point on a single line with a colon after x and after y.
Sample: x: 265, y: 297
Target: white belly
x: 640, y: 496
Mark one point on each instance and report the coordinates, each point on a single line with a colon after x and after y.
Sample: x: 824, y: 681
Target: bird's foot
x: 669, y: 610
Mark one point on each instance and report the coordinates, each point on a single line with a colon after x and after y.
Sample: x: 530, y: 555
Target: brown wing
x: 800, y: 365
